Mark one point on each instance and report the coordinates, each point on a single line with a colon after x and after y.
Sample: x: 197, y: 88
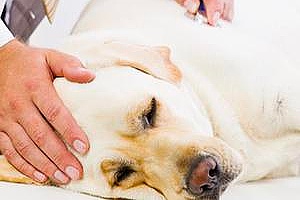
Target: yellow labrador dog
x: 181, y: 125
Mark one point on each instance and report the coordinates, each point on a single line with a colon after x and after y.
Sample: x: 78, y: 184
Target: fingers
x: 17, y: 161
x: 37, y: 148
x: 50, y: 144
x: 214, y: 11
x: 192, y: 6
x: 61, y: 119
x: 63, y: 65
x: 33, y: 155
x: 228, y: 12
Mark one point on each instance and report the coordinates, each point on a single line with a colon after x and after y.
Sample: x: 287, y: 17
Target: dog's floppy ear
x: 151, y: 60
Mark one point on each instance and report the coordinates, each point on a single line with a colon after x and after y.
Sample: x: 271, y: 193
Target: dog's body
x: 228, y: 85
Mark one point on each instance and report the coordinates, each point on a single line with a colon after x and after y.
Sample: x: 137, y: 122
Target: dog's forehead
x: 115, y: 86
x: 116, y: 91
x: 129, y: 87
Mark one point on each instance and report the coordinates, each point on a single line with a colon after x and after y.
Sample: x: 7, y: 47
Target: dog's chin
x: 214, y: 195
x: 225, y: 180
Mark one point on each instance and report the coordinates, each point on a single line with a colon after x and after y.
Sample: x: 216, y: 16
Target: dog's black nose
x: 203, y: 177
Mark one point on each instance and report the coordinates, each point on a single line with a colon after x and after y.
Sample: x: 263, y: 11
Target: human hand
x: 31, y: 113
x: 214, y: 9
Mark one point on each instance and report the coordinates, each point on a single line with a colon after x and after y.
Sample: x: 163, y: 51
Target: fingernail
x: 83, y: 69
x: 87, y: 71
x: 39, y: 176
x: 79, y: 146
x: 72, y: 172
x: 58, y: 175
x: 216, y: 18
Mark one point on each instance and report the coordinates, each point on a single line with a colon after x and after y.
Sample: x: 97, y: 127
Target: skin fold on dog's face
x: 149, y: 137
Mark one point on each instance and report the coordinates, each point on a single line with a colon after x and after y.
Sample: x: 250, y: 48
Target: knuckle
x: 31, y: 85
x: 23, y: 166
x: 3, y: 138
x: 23, y: 147
x: 39, y: 137
x: 47, y: 167
x: 52, y: 112
x: 3, y: 114
x: 72, y: 61
x: 67, y: 132
x: 10, y: 154
x: 75, y: 62
x: 59, y: 158
x: 15, y: 104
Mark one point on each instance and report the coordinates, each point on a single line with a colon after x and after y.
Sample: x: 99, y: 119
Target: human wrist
x: 11, y: 46
x: 9, y: 51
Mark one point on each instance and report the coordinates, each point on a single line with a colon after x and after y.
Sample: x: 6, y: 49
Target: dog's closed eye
x: 148, y: 116
x: 142, y: 117
x: 122, y: 173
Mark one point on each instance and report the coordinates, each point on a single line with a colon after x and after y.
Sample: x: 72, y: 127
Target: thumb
x: 70, y: 67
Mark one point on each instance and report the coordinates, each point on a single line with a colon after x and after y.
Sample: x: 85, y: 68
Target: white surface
x: 264, y: 190
x: 30, y: 192
x: 5, y: 34
x: 280, y: 189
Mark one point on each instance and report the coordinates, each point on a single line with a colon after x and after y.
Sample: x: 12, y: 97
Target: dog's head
x: 150, y: 136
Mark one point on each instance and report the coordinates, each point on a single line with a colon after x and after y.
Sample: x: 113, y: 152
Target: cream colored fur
x: 237, y: 85
x: 240, y: 64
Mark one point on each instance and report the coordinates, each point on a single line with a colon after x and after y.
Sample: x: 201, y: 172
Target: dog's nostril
x: 213, y: 173
x: 206, y: 187
x: 204, y: 175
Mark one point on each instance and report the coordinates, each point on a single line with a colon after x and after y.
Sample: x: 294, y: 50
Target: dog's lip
x: 189, y: 196
x: 213, y: 196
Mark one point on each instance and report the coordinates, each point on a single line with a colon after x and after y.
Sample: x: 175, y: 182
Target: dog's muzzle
x: 206, y: 179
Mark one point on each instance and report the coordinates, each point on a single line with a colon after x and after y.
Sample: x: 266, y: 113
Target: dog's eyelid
x: 122, y: 174
x: 142, y: 117
x: 149, y: 115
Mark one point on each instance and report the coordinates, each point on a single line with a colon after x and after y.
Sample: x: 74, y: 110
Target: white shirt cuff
x: 5, y: 34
